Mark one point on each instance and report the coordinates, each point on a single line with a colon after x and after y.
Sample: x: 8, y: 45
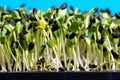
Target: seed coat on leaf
x: 31, y: 46
x: 63, y: 6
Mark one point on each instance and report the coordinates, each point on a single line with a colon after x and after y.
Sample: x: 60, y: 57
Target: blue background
x: 113, y: 5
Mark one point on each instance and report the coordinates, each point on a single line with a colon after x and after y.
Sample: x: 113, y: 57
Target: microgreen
x: 59, y: 40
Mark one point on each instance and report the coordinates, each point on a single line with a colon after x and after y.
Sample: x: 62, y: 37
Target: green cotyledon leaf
x: 15, y: 15
x: 51, y: 43
x: 24, y: 44
x: 9, y: 27
x: 62, y: 13
x: 116, y: 41
x: 19, y: 27
x: 71, y: 42
x: 2, y: 34
x: 87, y: 18
x: 79, y: 16
x: 2, y: 37
x: 28, y: 36
x: 104, y: 32
x: 74, y: 26
x: 92, y: 11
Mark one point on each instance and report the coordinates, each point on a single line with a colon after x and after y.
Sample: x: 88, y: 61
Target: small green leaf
x: 93, y: 29
x: 92, y: 11
x: 72, y: 42
x: 105, y: 15
x: 105, y: 22
x: 77, y: 11
x: 19, y: 27
x: 116, y: 41
x: 48, y: 15
x: 2, y: 34
x: 118, y: 21
x: 74, y: 26
x: 2, y: 37
x: 7, y: 16
x: 24, y: 44
x: 28, y: 36
x: 62, y: 13
x: 51, y: 43
x: 9, y: 27
x: 79, y: 16
x: 104, y: 32
x: 15, y: 15
x: 36, y: 16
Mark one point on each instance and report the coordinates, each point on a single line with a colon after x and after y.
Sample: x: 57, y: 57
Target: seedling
x: 59, y: 40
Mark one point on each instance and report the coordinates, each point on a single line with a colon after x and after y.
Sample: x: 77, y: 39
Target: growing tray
x: 59, y: 76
